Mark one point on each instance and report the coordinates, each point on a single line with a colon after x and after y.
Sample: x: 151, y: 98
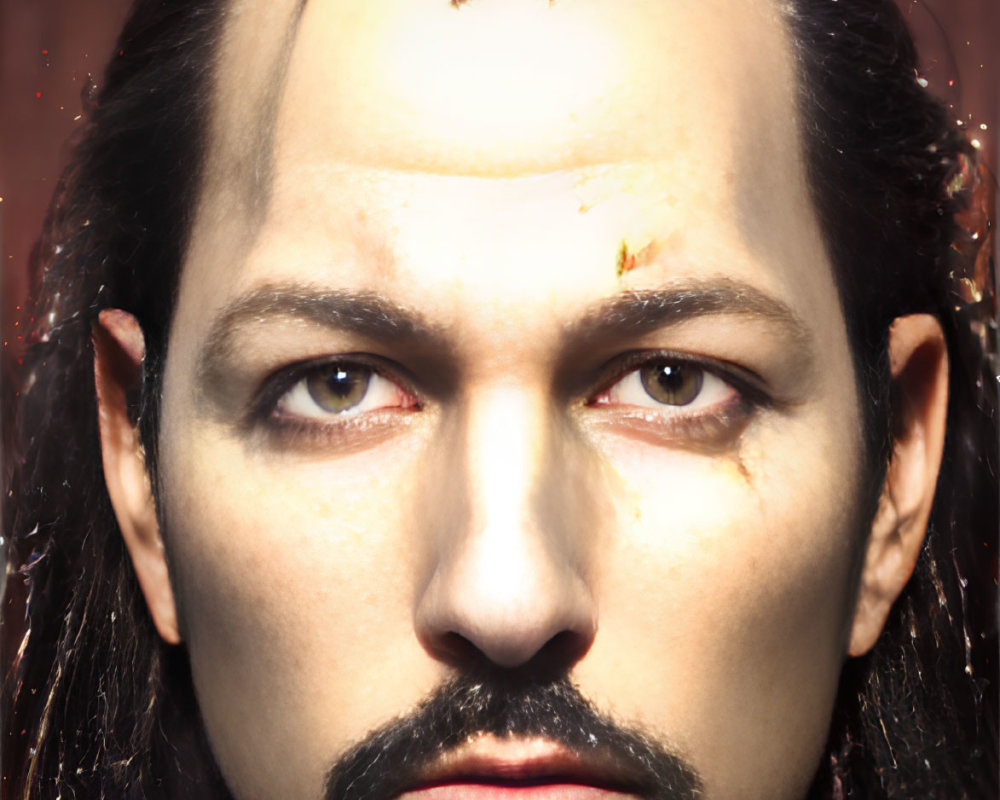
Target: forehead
x: 502, y: 88
x: 676, y: 120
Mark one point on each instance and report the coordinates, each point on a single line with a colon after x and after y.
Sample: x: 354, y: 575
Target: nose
x: 508, y: 578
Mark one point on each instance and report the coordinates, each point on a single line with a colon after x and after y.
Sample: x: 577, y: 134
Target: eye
x: 676, y: 401
x: 341, y: 389
x: 671, y: 384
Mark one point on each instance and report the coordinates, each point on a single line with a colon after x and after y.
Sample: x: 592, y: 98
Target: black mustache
x: 389, y: 760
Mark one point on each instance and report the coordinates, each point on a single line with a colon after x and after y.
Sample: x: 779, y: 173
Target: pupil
x: 338, y: 388
x: 672, y: 384
x: 340, y: 382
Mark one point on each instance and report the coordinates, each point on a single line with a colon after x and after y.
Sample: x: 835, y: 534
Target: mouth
x: 492, y: 768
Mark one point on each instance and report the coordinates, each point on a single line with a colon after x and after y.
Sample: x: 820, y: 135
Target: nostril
x: 552, y: 659
x: 559, y: 653
x: 457, y: 651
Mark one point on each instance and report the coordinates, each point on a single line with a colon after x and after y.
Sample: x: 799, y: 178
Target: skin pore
x: 417, y: 419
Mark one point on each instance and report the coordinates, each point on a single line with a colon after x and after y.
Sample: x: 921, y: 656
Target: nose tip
x: 505, y: 625
x: 507, y: 607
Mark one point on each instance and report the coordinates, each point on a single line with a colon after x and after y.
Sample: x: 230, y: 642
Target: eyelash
x: 717, y: 423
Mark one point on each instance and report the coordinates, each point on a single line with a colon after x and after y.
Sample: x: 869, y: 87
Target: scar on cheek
x: 627, y: 261
x: 742, y: 464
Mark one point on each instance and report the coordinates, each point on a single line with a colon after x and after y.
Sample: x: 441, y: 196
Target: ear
x: 918, y: 359
x: 119, y: 349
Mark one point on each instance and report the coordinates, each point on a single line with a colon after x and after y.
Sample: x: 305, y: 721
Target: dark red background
x: 48, y: 47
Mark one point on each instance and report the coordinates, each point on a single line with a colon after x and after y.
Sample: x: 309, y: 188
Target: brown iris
x: 338, y: 387
x: 672, y: 384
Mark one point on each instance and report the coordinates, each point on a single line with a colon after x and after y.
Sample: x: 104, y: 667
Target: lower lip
x: 482, y: 791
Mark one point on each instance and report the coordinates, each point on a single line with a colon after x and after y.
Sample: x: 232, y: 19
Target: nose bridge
x: 506, y: 440
x: 510, y: 576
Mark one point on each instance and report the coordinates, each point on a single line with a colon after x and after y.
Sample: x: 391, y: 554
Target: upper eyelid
x: 743, y: 380
x: 283, y: 379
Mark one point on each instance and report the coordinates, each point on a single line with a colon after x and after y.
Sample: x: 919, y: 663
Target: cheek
x: 290, y: 594
x: 725, y: 598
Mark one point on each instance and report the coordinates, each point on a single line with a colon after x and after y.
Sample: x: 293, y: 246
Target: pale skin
x: 506, y: 479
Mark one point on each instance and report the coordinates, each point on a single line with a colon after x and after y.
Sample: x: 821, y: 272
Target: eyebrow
x: 366, y: 314
x: 637, y: 312
x: 373, y: 316
x: 620, y: 320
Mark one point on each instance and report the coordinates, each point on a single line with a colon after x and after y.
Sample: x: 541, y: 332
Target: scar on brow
x: 628, y: 261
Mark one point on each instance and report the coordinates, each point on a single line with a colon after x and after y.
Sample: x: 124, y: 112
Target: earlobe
x: 919, y: 363
x: 118, y: 353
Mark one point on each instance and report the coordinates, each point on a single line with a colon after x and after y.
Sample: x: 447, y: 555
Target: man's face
x: 515, y: 347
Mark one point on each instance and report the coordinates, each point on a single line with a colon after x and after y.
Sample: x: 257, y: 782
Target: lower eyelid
x: 337, y: 437
x: 711, y: 430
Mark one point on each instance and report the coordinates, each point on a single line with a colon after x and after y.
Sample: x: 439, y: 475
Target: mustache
x: 391, y: 759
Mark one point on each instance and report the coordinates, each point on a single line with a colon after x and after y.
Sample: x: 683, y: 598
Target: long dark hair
x: 95, y: 704
x: 900, y: 199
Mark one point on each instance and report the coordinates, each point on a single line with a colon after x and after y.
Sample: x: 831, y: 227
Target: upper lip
x: 519, y: 761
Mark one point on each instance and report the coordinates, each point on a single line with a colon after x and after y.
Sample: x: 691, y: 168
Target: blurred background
x: 49, y: 49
